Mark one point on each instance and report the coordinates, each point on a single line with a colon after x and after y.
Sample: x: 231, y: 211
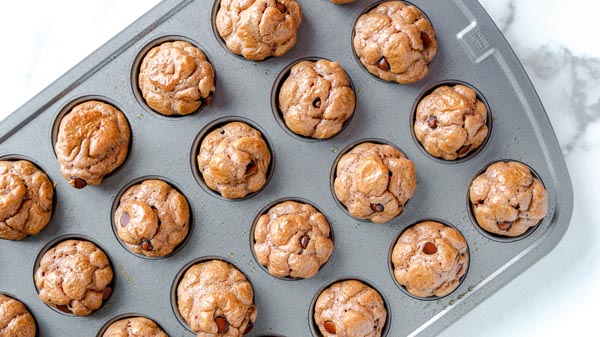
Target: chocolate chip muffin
x: 152, y: 218
x: 395, y: 42
x: 93, y: 140
x: 350, y: 308
x: 176, y: 78
x: 257, y: 29
x: 451, y: 122
x: 430, y: 259
x: 75, y: 277
x: 216, y: 299
x: 292, y: 240
x: 26, y: 200
x: 15, y: 319
x: 134, y: 327
x: 374, y: 181
x: 507, y: 199
x: 234, y: 160
x: 316, y: 99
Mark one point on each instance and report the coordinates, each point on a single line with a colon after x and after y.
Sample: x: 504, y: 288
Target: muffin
x: 216, y: 299
x: 152, y: 218
x: 134, y: 327
x: 430, y: 259
x: 507, y: 199
x: 93, y: 140
x: 374, y: 181
x: 176, y: 78
x: 75, y: 277
x: 451, y: 122
x: 257, y: 29
x: 26, y: 200
x: 292, y: 240
x: 316, y: 99
x: 350, y: 308
x: 395, y: 42
x: 234, y: 160
x: 15, y: 319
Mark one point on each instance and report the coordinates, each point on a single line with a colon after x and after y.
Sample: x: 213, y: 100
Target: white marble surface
x: 558, y: 45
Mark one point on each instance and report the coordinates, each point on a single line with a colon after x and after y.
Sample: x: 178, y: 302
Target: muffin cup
x: 264, y: 211
x: 66, y: 109
x: 137, y: 63
x: 37, y: 327
x: 365, y: 11
x: 314, y: 329
x: 283, y: 75
x: 53, y: 243
x: 196, y: 150
x: 333, y: 175
x: 180, y: 275
x: 117, y: 201
x: 123, y: 316
x: 496, y: 237
x: 428, y: 90
x: 391, y: 265
x: 17, y: 157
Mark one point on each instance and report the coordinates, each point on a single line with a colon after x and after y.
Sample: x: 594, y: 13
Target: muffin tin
x: 471, y: 50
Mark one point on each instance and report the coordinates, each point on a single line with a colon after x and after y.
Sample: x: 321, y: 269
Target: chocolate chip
x: 222, y: 324
x: 63, y: 308
x: 78, y: 183
x: 426, y: 40
x: 377, y: 207
x: 317, y: 103
x: 248, y: 328
x: 146, y: 245
x: 390, y: 173
x: 376, y: 324
x: 329, y: 327
x: 222, y: 132
x: 504, y: 225
x: 384, y: 64
x: 304, y: 241
x: 429, y: 248
x: 124, y: 220
x: 432, y: 122
x: 251, y: 168
x: 209, y: 99
x: 106, y: 293
x: 464, y: 150
x: 281, y: 7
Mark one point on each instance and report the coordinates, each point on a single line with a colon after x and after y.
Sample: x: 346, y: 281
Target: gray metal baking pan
x: 471, y: 49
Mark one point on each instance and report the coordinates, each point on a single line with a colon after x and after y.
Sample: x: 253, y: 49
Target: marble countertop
x: 557, y: 44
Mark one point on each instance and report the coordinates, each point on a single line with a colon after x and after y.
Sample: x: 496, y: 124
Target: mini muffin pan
x: 471, y: 50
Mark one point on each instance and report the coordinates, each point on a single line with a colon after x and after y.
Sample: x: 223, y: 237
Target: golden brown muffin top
x: 257, y: 29
x: 316, y: 99
x: 26, y: 201
x: 234, y: 160
x: 15, y: 319
x: 152, y: 218
x: 451, y: 122
x: 93, y: 140
x: 374, y: 181
x: 176, y: 78
x: 395, y: 42
x: 292, y: 240
x: 216, y: 300
x: 74, y: 277
x: 348, y: 309
x: 507, y: 199
x: 430, y: 258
